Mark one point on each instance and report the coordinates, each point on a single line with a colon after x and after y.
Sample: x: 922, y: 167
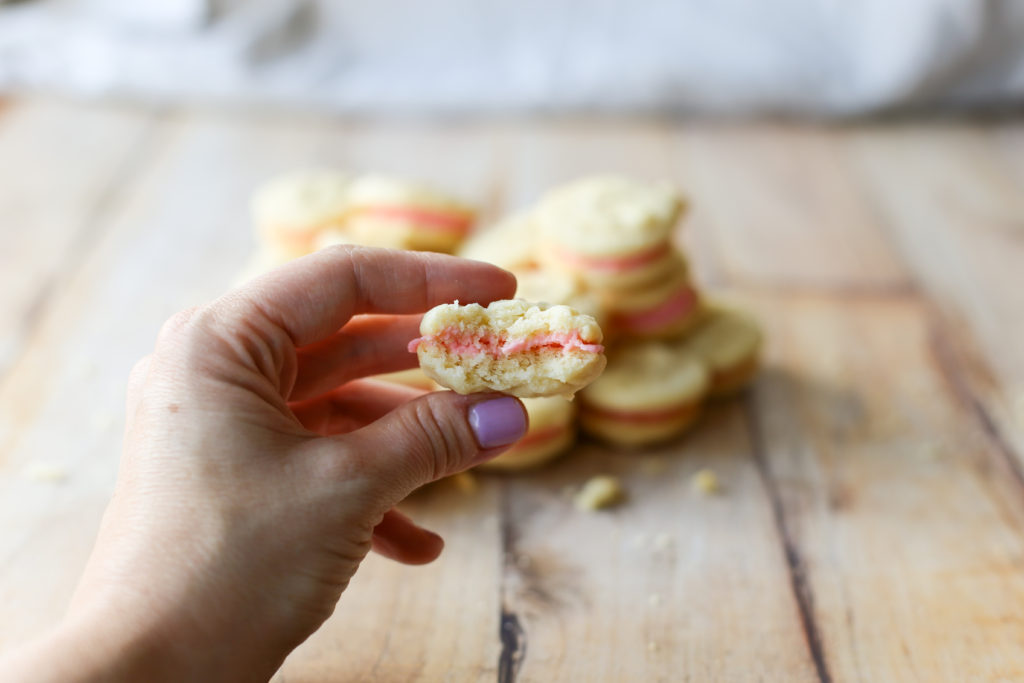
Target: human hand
x: 258, y: 469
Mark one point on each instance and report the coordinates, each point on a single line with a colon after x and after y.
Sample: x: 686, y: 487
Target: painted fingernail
x: 498, y: 421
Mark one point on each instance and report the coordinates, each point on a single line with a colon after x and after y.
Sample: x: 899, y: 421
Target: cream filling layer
x: 614, y: 264
x: 440, y: 221
x: 469, y: 343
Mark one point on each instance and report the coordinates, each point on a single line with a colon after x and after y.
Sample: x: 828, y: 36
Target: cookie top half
x: 609, y: 215
x: 301, y: 200
x: 652, y: 375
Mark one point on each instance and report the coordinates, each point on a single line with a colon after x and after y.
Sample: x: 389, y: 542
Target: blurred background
x: 817, y: 57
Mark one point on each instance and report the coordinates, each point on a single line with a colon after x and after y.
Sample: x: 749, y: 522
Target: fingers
x: 367, y: 345
x: 400, y: 539
x: 352, y: 406
x: 312, y: 297
x: 433, y: 436
x: 136, y: 380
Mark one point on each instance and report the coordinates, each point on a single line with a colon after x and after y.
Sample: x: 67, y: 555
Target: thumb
x: 434, y: 436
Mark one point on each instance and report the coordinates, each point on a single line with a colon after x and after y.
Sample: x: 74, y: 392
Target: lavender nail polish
x: 497, y: 422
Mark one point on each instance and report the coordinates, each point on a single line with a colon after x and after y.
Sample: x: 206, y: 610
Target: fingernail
x: 498, y: 421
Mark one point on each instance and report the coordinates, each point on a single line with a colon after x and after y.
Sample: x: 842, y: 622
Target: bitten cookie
x: 729, y: 342
x: 511, y: 346
x: 290, y: 210
x: 511, y: 244
x: 389, y: 212
x: 551, y: 433
x: 611, y: 231
x: 651, y: 391
x: 664, y: 308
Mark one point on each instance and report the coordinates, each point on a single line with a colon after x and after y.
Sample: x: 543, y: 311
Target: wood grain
x: 871, y: 525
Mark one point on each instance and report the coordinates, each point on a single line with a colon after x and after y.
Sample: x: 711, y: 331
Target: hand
x: 259, y: 469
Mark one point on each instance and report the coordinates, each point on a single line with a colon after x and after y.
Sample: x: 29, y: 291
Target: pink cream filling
x: 429, y: 220
x: 465, y: 343
x: 675, y: 308
x: 614, y: 264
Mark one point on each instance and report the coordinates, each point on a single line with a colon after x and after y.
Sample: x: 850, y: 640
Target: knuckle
x: 442, y: 443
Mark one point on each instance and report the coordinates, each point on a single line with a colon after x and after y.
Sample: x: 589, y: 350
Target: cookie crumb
x: 652, y: 646
x: 655, y: 600
x: 599, y: 492
x: 466, y: 483
x: 706, y: 483
x: 45, y: 472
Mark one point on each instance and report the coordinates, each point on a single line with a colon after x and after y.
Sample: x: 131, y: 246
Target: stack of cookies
x: 297, y: 214
x: 604, y: 245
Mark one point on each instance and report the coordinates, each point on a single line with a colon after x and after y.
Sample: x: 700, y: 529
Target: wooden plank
x: 955, y: 207
x: 660, y: 589
x: 672, y: 586
x: 783, y: 210
x: 60, y: 164
x: 905, y: 519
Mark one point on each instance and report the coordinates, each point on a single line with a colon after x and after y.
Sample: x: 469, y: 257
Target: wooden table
x: 871, y: 526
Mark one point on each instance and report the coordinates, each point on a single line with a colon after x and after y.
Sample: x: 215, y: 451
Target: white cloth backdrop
x: 828, y: 57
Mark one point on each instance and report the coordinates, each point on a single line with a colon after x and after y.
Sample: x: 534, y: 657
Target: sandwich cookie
x: 612, y: 232
x: 661, y: 309
x: 512, y: 346
x: 729, y: 342
x: 551, y: 433
x: 650, y: 392
x: 291, y: 210
x: 389, y: 212
x: 512, y: 244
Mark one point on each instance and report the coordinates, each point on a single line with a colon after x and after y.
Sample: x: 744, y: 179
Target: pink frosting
x: 427, y: 219
x: 465, y: 343
x: 615, y: 264
x: 675, y: 308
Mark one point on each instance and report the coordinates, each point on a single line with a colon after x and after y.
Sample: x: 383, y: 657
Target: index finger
x: 314, y: 296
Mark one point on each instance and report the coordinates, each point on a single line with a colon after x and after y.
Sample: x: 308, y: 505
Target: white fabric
x: 805, y: 56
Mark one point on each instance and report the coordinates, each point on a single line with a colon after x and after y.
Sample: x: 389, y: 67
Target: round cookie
x: 290, y: 210
x: 611, y: 231
x: 729, y: 341
x: 557, y: 287
x: 512, y: 244
x: 511, y: 346
x: 389, y: 212
x: 665, y: 308
x: 551, y: 433
x: 650, y: 392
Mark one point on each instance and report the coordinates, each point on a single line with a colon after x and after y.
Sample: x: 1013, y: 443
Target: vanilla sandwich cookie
x: 651, y: 391
x: 390, y: 212
x: 512, y: 244
x: 512, y: 346
x: 291, y: 210
x: 552, y: 432
x: 664, y: 308
x: 729, y: 342
x: 611, y: 231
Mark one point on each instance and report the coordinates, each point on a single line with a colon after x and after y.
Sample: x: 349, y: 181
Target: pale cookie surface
x: 726, y: 338
x: 646, y: 376
x: 609, y: 215
x: 512, y: 346
x: 302, y: 201
x: 511, y: 244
